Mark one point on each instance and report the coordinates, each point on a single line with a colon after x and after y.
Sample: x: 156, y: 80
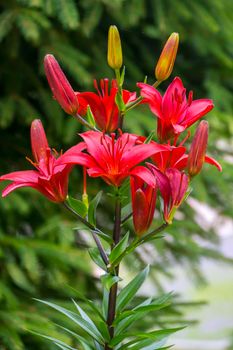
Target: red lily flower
x: 172, y: 157
x: 49, y: 178
x: 110, y: 158
x: 174, y: 111
x: 143, y: 204
x: 173, y: 185
x: 103, y: 105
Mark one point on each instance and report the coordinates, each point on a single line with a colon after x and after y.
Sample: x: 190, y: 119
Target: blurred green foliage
x: 40, y: 252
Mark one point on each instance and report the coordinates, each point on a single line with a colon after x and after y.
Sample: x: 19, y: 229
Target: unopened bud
x: 60, y: 86
x: 39, y: 141
x: 167, y: 58
x: 197, y: 152
x: 115, y: 59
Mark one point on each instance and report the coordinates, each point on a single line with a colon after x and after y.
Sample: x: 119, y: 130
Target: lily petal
x: 144, y: 174
x: 21, y: 176
x: 196, y: 110
x: 153, y: 97
x: 214, y: 162
x: 140, y: 153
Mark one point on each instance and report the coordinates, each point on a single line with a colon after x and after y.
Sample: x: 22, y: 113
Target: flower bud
x: 60, y: 86
x: 143, y: 205
x: 197, y: 152
x: 39, y: 141
x: 114, y: 48
x: 167, y: 58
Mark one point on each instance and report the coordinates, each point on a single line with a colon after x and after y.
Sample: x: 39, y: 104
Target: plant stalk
x: 113, y: 290
x: 93, y: 230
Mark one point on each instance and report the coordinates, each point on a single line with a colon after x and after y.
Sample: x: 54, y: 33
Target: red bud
x: 60, y: 86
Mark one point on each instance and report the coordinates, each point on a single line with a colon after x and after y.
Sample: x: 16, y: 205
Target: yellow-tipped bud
x: 115, y: 59
x: 167, y: 58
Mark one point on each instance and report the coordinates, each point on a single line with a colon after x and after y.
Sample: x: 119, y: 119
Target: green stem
x: 85, y: 123
x: 119, y: 85
x: 139, y: 99
x: 118, y: 78
x: 141, y: 240
x: 113, y: 291
x: 93, y: 230
x: 127, y: 217
x: 151, y: 234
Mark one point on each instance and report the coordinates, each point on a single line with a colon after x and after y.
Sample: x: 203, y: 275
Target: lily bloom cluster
x: 161, y: 167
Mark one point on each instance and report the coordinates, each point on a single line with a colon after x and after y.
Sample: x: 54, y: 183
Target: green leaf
x: 19, y: 277
x: 97, y: 346
x: 128, y: 292
x: 109, y: 280
x: 64, y: 347
x: 120, y: 102
x: 150, y: 137
x: 119, y: 249
x: 147, y: 344
x: 29, y: 27
x: 157, y: 338
x: 90, y: 117
x: 126, y: 210
x: 86, y: 326
x: 89, y: 302
x: 84, y: 315
x: 105, y: 303
x: 101, y: 325
x: 81, y: 339
x: 126, y: 318
x: 58, y: 342
x: 123, y: 321
x: 68, y: 13
x: 92, y: 208
x: 78, y: 206
x: 95, y: 256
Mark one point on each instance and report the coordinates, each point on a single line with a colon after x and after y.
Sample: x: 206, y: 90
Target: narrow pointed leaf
x: 119, y: 249
x: 103, y: 329
x: 120, y: 102
x: 95, y: 256
x: 98, y: 346
x: 146, y: 339
x: 109, y: 280
x: 81, y: 339
x: 90, y: 117
x: 127, y: 318
x: 86, y: 326
x: 78, y: 206
x: 84, y: 315
x: 150, y: 137
x: 58, y: 342
x: 105, y: 303
x: 64, y: 347
x: 128, y: 292
x: 92, y: 208
x: 89, y: 302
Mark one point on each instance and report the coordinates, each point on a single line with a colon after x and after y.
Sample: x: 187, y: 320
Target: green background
x: 40, y: 252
